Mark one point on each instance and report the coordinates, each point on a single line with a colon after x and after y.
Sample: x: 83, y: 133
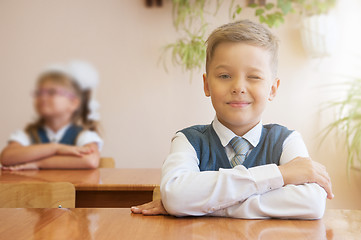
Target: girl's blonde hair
x: 80, y: 116
x: 244, y: 31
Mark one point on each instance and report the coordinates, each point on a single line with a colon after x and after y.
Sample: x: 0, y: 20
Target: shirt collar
x: 56, y: 136
x: 225, y: 135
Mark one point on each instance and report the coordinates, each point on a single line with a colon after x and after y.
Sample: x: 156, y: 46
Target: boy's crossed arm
x: 301, y: 197
x: 290, y: 202
x: 301, y: 190
x: 304, y: 170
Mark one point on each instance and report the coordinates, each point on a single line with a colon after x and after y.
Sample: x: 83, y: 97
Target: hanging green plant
x: 188, y: 52
x: 189, y: 19
x: 273, y: 14
x: 189, y: 49
x: 270, y: 14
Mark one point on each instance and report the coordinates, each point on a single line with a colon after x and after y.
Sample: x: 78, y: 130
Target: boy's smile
x: 240, y: 83
x: 239, y: 104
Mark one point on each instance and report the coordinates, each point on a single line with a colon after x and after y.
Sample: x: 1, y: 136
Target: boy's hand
x: 151, y: 208
x: 304, y: 170
x: 62, y: 149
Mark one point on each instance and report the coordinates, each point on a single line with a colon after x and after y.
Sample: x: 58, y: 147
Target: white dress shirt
x: 85, y: 137
x: 257, y: 192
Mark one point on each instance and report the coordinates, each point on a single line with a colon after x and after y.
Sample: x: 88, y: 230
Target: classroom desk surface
x: 121, y: 224
x: 103, y: 187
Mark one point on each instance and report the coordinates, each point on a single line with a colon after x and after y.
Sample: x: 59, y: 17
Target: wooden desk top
x: 121, y: 224
x: 102, y: 179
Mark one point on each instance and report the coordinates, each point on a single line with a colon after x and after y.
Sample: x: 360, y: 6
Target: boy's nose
x: 239, y: 86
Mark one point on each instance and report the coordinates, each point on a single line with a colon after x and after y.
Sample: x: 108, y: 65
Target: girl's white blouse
x: 85, y: 137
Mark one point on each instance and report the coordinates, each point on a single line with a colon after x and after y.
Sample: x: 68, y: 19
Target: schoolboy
x: 236, y: 166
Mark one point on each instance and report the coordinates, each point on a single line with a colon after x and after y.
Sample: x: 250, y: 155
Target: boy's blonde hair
x: 244, y: 31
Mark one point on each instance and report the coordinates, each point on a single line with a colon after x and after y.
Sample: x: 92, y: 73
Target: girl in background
x: 65, y: 134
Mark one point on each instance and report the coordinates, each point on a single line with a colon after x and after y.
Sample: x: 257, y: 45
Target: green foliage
x: 348, y: 120
x: 189, y: 20
x: 189, y: 52
x: 237, y: 11
x: 314, y: 7
x: 273, y: 14
x: 185, y: 12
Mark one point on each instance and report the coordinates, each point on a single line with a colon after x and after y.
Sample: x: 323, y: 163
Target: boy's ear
x: 205, y: 85
x: 274, y: 89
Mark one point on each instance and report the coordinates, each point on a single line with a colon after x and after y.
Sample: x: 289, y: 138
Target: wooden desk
x: 103, y: 187
x: 121, y: 224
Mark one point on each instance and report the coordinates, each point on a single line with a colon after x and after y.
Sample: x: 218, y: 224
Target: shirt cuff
x: 267, y: 177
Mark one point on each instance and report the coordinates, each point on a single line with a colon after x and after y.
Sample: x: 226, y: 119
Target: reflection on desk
x: 104, y: 187
x: 121, y: 224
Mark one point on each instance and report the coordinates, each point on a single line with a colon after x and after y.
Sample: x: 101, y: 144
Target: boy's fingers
x: 323, y: 179
x: 136, y: 210
x: 325, y: 183
x: 329, y: 191
x: 151, y: 208
x: 140, y: 208
x: 154, y: 211
x: 151, y: 212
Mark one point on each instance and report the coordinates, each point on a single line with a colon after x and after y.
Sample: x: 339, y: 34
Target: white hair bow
x: 84, y: 74
x: 93, y: 110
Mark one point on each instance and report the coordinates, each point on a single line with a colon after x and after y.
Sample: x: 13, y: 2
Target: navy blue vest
x: 69, y: 137
x: 212, y: 155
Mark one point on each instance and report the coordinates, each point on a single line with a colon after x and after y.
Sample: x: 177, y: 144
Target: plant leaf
x: 259, y: 11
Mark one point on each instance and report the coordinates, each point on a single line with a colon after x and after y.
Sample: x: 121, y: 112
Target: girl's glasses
x: 51, y: 92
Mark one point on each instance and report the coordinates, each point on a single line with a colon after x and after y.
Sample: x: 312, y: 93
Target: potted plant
x: 318, y: 28
x: 347, y: 123
x: 318, y: 32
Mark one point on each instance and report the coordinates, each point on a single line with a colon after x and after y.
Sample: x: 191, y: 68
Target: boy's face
x: 239, y: 82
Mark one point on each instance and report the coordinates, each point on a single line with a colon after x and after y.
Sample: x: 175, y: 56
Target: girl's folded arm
x: 85, y: 161
x: 15, y: 153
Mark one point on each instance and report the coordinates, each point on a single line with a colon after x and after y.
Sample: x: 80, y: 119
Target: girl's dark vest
x: 69, y: 137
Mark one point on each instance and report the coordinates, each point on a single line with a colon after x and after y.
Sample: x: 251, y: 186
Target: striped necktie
x: 241, y: 147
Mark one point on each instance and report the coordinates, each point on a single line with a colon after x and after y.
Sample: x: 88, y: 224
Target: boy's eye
x: 224, y: 76
x: 254, y: 77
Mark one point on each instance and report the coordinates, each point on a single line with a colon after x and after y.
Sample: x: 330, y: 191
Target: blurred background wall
x: 140, y: 101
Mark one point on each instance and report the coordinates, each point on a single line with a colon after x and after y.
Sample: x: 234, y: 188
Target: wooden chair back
x: 37, y: 195
x: 156, y: 193
x: 106, y: 162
